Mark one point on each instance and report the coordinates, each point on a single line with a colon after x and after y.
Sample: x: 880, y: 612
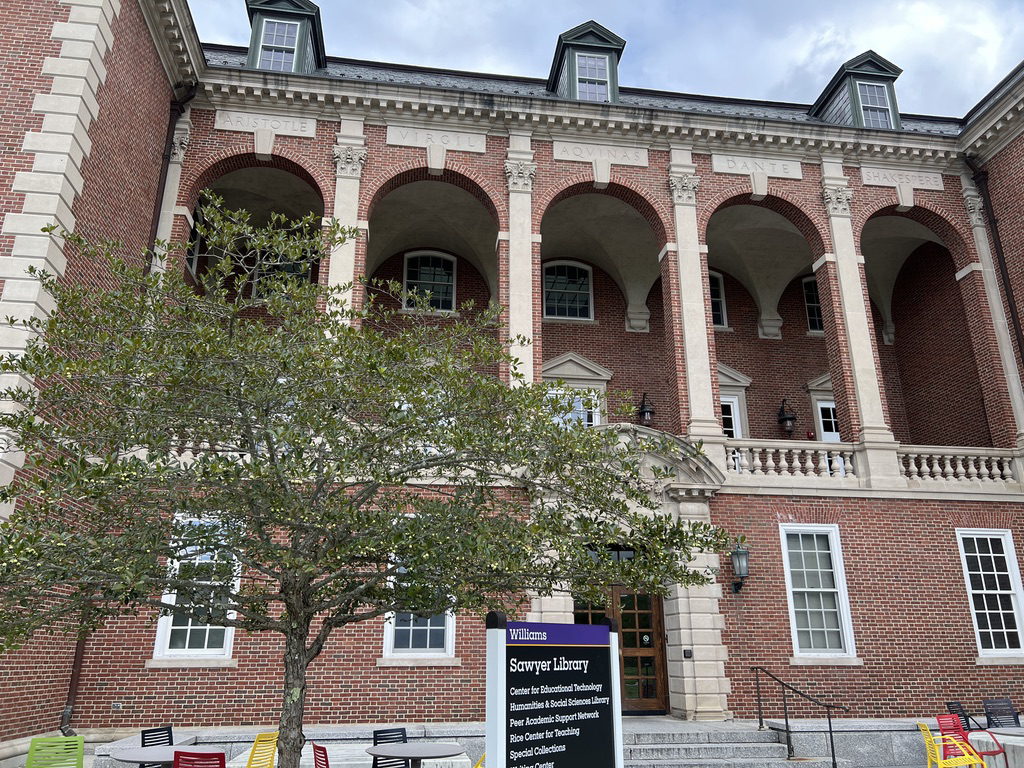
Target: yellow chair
x: 480, y: 762
x: 968, y: 756
x: 263, y: 751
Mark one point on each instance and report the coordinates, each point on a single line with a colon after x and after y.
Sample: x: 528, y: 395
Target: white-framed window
x: 716, y: 288
x: 812, y: 305
x: 592, y: 80
x: 568, y: 291
x: 993, y: 589
x: 819, y: 608
x: 874, y: 105
x: 732, y: 425
x: 429, y: 273
x: 409, y: 635
x: 586, y: 407
x: 278, y: 45
x: 183, y: 635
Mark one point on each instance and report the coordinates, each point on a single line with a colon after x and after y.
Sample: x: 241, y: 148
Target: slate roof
x: 535, y: 88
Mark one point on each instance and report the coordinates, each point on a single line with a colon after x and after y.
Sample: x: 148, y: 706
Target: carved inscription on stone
x: 780, y: 169
x: 250, y: 122
x: 887, y: 177
x: 587, y: 153
x: 453, y: 140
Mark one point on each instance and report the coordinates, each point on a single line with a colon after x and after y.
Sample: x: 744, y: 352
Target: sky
x: 952, y: 52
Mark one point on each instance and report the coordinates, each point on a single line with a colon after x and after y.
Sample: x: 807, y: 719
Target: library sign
x: 552, y: 695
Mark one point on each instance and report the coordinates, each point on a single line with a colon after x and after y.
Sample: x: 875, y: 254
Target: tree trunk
x: 293, y: 705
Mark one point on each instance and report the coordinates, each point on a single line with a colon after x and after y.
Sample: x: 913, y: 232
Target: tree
x: 276, y: 461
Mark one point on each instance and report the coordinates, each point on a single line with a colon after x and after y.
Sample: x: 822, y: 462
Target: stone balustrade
x: 791, y: 458
x: 926, y: 463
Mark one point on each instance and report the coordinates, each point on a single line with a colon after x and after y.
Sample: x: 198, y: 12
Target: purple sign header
x: 528, y: 633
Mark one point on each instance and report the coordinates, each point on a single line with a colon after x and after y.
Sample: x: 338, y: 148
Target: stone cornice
x: 996, y: 124
x: 177, y: 43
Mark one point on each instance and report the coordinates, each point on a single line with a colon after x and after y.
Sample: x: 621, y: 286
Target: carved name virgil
x: 454, y: 140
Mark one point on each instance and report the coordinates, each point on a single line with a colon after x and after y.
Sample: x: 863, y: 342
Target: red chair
x: 320, y: 756
x: 951, y: 725
x: 199, y: 759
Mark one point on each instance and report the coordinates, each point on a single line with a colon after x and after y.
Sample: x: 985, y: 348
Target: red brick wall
x: 942, y: 394
x: 911, y: 621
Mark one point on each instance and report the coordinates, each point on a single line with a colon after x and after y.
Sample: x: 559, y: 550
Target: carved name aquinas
x: 780, y: 169
x: 458, y: 141
x: 586, y: 153
x: 250, y: 122
x: 887, y: 177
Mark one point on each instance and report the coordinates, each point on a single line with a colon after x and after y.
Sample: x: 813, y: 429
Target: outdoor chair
x: 949, y: 725
x: 390, y: 736
x: 966, y: 719
x: 199, y: 759
x: 320, y: 756
x: 968, y: 756
x: 56, y: 752
x: 1000, y: 713
x: 263, y: 751
x: 156, y: 737
x: 480, y: 762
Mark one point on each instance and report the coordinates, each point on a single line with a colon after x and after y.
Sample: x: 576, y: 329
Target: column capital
x: 975, y: 207
x: 520, y: 175
x: 684, y: 188
x: 837, y: 200
x: 349, y: 160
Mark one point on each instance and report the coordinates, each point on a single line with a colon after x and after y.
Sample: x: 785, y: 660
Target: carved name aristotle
x: 250, y: 122
x: 454, y: 140
x: 781, y: 169
x: 585, y: 153
x: 886, y: 177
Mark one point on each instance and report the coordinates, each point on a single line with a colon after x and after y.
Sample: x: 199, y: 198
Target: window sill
x: 186, y: 662
x: 826, y: 661
x: 997, y: 661
x: 723, y: 329
x: 430, y: 312
x: 569, y: 320
x: 419, y: 661
x: 816, y: 334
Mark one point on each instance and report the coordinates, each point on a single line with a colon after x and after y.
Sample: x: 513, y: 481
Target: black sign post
x: 552, y: 695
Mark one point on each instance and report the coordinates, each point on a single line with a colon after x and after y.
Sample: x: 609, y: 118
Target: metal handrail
x: 785, y: 710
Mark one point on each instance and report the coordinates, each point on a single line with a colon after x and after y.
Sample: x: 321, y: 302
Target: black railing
x: 758, y: 671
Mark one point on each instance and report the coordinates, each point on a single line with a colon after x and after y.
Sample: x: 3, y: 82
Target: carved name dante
x: 454, y: 140
x: 250, y: 122
x: 887, y: 177
x: 587, y: 153
x: 780, y: 169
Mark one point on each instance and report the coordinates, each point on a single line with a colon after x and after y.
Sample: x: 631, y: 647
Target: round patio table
x: 164, y: 753
x: 416, y: 751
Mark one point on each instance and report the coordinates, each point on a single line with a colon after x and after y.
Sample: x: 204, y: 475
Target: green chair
x: 56, y: 752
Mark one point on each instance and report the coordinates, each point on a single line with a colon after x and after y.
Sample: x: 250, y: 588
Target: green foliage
x: 322, y: 449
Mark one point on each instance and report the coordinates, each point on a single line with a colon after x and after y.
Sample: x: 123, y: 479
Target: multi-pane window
x: 812, y: 304
x: 592, y: 77
x: 717, y: 289
x: 874, y: 104
x: 819, y: 610
x: 731, y: 426
x: 993, y: 588
x: 568, y: 291
x: 586, y: 408
x: 277, y: 49
x: 431, y: 275
x: 419, y: 634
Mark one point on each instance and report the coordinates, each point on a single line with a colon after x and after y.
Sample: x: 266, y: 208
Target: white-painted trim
x: 1016, y: 590
x: 409, y: 657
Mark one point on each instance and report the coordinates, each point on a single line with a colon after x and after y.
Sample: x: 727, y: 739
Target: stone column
x: 698, y: 686
x: 703, y: 424
x: 169, y: 206
x: 975, y: 211
x: 877, y: 449
x: 349, y: 158
x: 520, y: 171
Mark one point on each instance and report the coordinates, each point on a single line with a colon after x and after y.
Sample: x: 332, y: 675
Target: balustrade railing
x: 933, y: 463
x: 782, y: 458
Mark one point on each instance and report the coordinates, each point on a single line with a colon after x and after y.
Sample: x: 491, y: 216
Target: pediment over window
x: 576, y: 371
x: 594, y: 77
x: 731, y: 378
x: 822, y: 383
x: 861, y: 94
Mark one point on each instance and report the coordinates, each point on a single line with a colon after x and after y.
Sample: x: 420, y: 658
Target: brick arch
x: 644, y: 203
x: 778, y: 201
x: 458, y: 175
x: 220, y: 165
x: 935, y: 218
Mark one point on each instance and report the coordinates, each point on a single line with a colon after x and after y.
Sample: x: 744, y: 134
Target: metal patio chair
x: 156, y: 737
x: 185, y: 759
x: 390, y: 736
x: 263, y: 751
x: 949, y: 725
x: 966, y: 718
x: 967, y: 757
x: 56, y: 752
x: 320, y: 756
x: 1000, y: 713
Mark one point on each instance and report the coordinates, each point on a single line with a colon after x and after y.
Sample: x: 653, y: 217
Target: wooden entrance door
x: 641, y: 623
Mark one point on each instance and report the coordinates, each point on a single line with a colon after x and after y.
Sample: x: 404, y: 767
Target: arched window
x: 568, y: 291
x: 430, y: 274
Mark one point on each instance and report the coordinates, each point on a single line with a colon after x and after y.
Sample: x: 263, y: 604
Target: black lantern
x: 740, y: 557
x: 645, y: 413
x: 786, y: 418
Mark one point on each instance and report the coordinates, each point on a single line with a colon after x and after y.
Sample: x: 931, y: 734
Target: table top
x: 163, y: 753
x: 417, y: 750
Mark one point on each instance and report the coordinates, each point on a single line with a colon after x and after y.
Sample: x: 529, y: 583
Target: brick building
x: 740, y: 262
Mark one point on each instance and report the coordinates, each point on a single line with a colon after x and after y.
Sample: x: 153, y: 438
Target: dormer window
x: 592, y: 77
x: 277, y: 49
x: 874, y: 105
